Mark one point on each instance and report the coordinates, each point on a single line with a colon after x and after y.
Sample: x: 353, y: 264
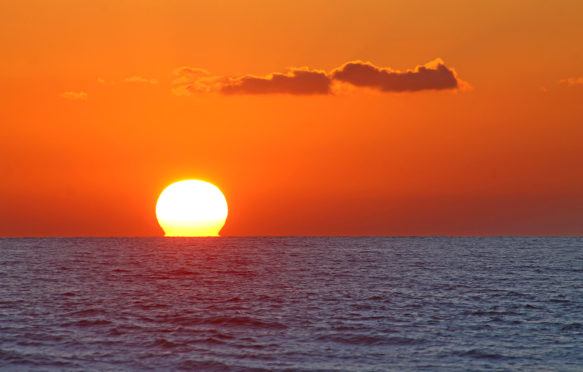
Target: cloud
x: 572, y: 81
x: 433, y: 75
x: 304, y: 81
x: 191, y: 71
x: 139, y: 80
x: 192, y: 80
x: 135, y: 79
x: 74, y: 95
x: 297, y: 81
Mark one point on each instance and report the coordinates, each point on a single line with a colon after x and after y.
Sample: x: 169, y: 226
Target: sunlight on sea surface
x: 293, y: 304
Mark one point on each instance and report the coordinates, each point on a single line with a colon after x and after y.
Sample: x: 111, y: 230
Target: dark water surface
x: 292, y: 304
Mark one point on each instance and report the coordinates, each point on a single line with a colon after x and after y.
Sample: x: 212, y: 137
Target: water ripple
x: 291, y: 304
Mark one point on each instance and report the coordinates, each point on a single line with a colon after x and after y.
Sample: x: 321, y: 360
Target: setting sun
x: 191, y: 208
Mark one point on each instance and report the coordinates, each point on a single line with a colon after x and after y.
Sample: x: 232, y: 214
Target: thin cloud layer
x: 74, y: 95
x: 572, y: 81
x: 191, y: 80
x: 139, y: 80
x: 434, y: 75
x: 303, y: 81
x: 131, y: 80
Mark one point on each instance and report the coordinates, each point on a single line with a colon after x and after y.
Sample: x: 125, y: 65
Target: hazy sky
x: 104, y: 103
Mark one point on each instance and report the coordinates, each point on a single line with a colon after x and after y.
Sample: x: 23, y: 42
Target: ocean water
x: 292, y: 304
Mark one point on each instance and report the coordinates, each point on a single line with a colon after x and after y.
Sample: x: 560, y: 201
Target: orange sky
x: 94, y: 127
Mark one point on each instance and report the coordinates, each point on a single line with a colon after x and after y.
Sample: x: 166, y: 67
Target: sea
x: 292, y: 304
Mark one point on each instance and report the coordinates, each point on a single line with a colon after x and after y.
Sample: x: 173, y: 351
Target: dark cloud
x: 434, y: 75
x: 303, y: 81
x: 298, y: 81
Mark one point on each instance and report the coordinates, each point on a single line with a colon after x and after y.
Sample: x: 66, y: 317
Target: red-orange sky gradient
x: 313, y: 117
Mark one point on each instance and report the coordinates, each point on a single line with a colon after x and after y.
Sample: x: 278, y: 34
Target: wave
x: 369, y: 340
x: 480, y: 354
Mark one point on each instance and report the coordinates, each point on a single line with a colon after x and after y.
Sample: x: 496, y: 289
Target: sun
x: 191, y: 208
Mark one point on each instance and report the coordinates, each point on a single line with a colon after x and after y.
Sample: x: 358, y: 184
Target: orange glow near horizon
x: 314, y: 117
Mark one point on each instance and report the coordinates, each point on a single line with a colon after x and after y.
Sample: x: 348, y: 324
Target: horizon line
x: 294, y: 236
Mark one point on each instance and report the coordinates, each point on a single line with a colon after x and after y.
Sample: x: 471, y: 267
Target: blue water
x: 292, y: 304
